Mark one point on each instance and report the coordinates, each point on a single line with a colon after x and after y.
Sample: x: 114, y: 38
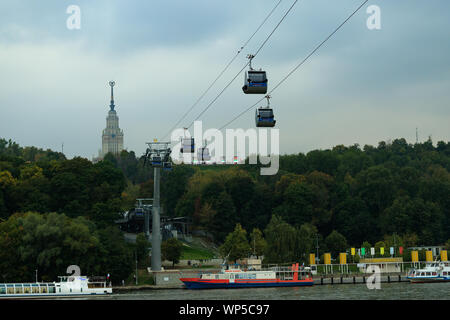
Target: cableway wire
x: 240, y: 71
x: 225, y: 69
x: 298, y: 66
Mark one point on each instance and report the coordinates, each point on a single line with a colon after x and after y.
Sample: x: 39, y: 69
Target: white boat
x: 433, y: 272
x: 68, y: 286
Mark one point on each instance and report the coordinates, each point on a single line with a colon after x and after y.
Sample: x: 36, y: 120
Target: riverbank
x: 318, y: 280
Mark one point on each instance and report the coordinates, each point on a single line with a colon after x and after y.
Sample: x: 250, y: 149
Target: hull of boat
x: 49, y: 296
x: 428, y: 280
x: 196, y: 283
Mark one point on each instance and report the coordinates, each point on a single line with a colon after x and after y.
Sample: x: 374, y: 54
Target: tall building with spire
x: 112, y: 138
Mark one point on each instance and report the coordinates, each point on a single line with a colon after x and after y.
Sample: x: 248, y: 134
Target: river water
x: 388, y: 291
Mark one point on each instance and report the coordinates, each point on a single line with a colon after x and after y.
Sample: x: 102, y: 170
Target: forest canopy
x: 340, y: 197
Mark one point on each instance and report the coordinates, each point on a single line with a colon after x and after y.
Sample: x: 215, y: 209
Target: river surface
x: 388, y: 291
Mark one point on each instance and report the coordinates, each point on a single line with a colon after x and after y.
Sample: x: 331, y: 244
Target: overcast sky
x: 363, y: 86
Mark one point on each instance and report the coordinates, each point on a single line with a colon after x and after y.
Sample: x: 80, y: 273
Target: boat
x: 68, y: 286
x: 250, y: 278
x: 433, y: 272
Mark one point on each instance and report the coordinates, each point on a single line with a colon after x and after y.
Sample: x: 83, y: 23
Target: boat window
x: 44, y: 289
x: 19, y: 289
x: 428, y: 274
x: 10, y: 289
x: 434, y: 273
x: 445, y: 273
x: 2, y: 290
x: 217, y: 276
x: 35, y: 288
x: 26, y: 288
x: 51, y: 289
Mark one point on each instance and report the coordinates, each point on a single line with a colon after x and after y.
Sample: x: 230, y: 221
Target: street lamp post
x: 136, y: 268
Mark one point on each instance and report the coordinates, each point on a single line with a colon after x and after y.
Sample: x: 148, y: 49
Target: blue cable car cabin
x: 203, y: 154
x: 255, y: 82
x: 139, y: 212
x: 156, y: 161
x: 167, y: 166
x: 187, y: 145
x: 264, y: 117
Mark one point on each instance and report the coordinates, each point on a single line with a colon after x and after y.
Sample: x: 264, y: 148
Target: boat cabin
x: 68, y: 285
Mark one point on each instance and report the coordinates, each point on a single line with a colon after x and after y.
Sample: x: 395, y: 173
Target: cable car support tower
x: 158, y: 154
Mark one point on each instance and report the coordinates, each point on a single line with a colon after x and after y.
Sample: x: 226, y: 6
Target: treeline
x: 362, y: 194
x: 344, y: 197
x: 50, y: 242
x: 56, y: 212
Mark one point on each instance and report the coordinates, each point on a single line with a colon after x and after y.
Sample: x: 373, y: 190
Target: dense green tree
x: 297, y: 207
x: 225, y: 217
x: 171, y: 250
x: 104, y: 214
x: 116, y: 256
x: 257, y: 211
x: 352, y: 218
x: 376, y: 187
x: 281, y: 240
x: 236, y: 245
x: 324, y: 161
x: 364, y: 194
x: 173, y: 186
x: 447, y: 245
x: 142, y: 248
x: 408, y: 215
x: 257, y: 242
x: 306, y: 241
x: 336, y: 243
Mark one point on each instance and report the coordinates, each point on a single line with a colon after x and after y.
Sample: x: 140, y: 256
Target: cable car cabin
x: 156, y: 161
x: 255, y: 82
x: 167, y: 166
x: 187, y: 145
x: 264, y: 117
x: 139, y: 212
x: 203, y: 154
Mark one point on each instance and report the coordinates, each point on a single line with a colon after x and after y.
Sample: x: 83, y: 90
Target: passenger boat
x: 433, y: 272
x: 237, y: 278
x: 68, y: 286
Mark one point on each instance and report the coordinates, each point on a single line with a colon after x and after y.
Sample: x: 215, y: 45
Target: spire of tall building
x: 112, y: 139
x: 112, y: 84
